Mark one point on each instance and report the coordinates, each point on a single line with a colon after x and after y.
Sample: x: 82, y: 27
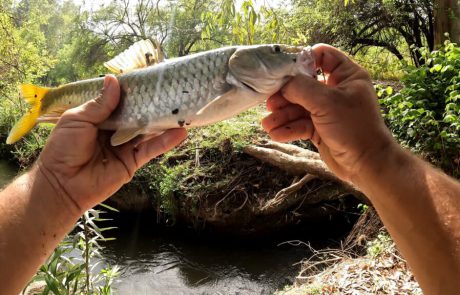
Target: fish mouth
x: 245, y: 84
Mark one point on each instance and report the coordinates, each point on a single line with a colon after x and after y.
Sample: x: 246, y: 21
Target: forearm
x: 420, y: 206
x: 34, y: 218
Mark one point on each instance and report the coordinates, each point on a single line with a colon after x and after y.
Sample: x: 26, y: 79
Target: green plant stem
x: 87, y: 238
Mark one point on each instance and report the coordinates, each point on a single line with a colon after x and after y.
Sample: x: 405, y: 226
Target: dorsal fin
x: 139, y: 55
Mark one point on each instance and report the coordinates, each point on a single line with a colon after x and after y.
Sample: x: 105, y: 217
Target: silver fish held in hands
x: 190, y: 91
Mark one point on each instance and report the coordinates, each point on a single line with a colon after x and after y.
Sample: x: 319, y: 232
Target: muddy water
x: 164, y: 261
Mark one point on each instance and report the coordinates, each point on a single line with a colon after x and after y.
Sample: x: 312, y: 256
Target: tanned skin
x: 78, y: 168
x: 419, y: 205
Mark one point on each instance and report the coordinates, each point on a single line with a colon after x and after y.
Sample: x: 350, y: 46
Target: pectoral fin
x: 122, y: 136
x: 228, y: 105
x: 221, y: 102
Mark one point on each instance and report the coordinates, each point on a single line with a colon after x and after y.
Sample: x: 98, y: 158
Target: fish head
x: 266, y: 68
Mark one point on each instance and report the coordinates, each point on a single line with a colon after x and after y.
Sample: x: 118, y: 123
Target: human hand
x: 341, y: 116
x: 78, y: 160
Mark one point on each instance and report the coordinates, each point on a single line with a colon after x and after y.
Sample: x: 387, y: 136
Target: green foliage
x: 234, y: 25
x: 168, y: 187
x: 363, y: 208
x: 71, y: 268
x: 195, y: 169
x: 381, y: 64
x: 425, y: 114
x: 380, y: 245
x: 240, y: 130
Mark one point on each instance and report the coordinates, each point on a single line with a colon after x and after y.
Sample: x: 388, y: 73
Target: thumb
x: 97, y: 110
x: 307, y: 92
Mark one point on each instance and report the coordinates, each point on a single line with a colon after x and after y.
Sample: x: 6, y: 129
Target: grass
x: 240, y: 130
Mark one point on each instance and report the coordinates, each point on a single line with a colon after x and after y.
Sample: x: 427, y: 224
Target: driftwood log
x: 305, y: 166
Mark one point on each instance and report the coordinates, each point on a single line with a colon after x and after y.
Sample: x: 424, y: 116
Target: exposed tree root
x: 283, y: 195
x: 297, y: 161
x: 295, y: 165
x: 290, y: 149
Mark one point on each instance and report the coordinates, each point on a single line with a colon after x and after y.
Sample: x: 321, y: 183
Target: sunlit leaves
x: 425, y: 114
x: 234, y: 25
x: 73, y: 267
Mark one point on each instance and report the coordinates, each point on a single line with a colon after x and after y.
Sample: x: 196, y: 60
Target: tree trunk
x: 447, y: 20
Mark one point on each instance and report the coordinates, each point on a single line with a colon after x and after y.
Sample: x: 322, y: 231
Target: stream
x: 160, y: 260
x: 7, y: 173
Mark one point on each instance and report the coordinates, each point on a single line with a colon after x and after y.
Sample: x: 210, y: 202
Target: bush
x: 424, y: 115
x: 381, y: 64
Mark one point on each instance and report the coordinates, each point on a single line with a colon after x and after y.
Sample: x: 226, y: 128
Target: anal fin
x: 122, y: 136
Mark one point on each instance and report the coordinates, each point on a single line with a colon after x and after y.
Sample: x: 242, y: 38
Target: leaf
x: 389, y: 90
x: 450, y: 119
x: 436, y: 68
x: 445, y: 68
x: 109, y: 207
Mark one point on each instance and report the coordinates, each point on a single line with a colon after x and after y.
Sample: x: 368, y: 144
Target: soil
x: 227, y: 190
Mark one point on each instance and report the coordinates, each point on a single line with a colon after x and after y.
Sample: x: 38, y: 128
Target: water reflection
x: 159, y: 261
x: 7, y: 173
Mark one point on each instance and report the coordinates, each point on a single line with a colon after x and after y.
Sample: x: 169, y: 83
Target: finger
x: 299, y: 129
x: 308, y: 92
x: 159, y: 145
x: 98, y: 109
x: 276, y: 102
x: 335, y: 64
x: 283, y: 116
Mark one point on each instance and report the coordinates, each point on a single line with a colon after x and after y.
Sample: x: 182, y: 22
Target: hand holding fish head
x: 266, y: 68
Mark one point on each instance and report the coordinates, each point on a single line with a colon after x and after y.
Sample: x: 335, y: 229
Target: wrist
x: 55, y: 192
x: 386, y: 157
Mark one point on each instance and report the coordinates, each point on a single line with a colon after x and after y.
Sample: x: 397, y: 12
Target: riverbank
x: 367, y: 263
x: 381, y: 271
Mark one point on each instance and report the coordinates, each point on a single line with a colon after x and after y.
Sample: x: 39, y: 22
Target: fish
x: 159, y: 94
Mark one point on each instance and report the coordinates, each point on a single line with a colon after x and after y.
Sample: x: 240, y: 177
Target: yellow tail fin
x: 33, y: 95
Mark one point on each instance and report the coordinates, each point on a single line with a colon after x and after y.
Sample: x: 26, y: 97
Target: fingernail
x: 107, y: 81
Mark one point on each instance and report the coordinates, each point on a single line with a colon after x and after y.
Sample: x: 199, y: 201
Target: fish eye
x: 277, y: 48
